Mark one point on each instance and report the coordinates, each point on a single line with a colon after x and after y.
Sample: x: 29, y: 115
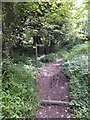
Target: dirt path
x: 53, y: 85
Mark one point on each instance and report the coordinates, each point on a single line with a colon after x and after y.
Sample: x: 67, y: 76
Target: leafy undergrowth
x: 20, y: 96
x: 19, y: 91
x: 53, y: 56
x: 75, y: 65
x: 26, y: 59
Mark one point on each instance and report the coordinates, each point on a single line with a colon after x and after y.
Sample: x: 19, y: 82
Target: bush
x: 76, y: 51
x: 21, y: 58
x: 75, y: 65
x: 53, y: 56
x: 19, y: 93
x: 48, y: 58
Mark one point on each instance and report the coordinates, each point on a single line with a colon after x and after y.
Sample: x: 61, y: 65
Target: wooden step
x: 54, y: 102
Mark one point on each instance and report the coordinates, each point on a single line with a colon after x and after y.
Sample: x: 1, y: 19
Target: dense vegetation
x: 62, y: 27
x: 19, y: 95
x: 76, y: 67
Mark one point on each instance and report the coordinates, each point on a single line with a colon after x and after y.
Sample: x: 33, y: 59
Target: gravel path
x: 53, y: 85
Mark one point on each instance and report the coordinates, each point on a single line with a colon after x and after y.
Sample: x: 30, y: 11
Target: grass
x: 19, y: 88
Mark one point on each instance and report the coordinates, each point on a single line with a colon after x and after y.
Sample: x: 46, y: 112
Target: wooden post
x: 36, y: 55
x: 40, y: 45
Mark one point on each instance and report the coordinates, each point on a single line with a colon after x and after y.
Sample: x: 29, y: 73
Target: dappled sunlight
x: 45, y: 57
x: 59, y: 60
x: 46, y: 74
x: 52, y: 89
x: 56, y: 64
x: 62, y: 116
x: 66, y: 96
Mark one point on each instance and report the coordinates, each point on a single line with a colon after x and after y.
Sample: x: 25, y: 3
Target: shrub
x: 53, y: 56
x: 75, y: 65
x: 76, y: 51
x: 19, y: 93
x: 48, y: 58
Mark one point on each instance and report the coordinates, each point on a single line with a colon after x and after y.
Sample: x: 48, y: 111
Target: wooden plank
x: 40, y: 45
x: 54, y: 102
x: 34, y: 47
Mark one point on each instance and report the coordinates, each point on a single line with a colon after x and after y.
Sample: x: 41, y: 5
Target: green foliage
x: 76, y: 51
x: 19, y: 92
x: 81, y: 48
x: 55, y: 23
x: 22, y: 58
x: 48, y: 58
x: 75, y: 66
x: 35, y: 19
x: 53, y: 56
x: 61, y: 23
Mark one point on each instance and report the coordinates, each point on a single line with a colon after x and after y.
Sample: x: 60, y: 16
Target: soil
x: 53, y: 85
